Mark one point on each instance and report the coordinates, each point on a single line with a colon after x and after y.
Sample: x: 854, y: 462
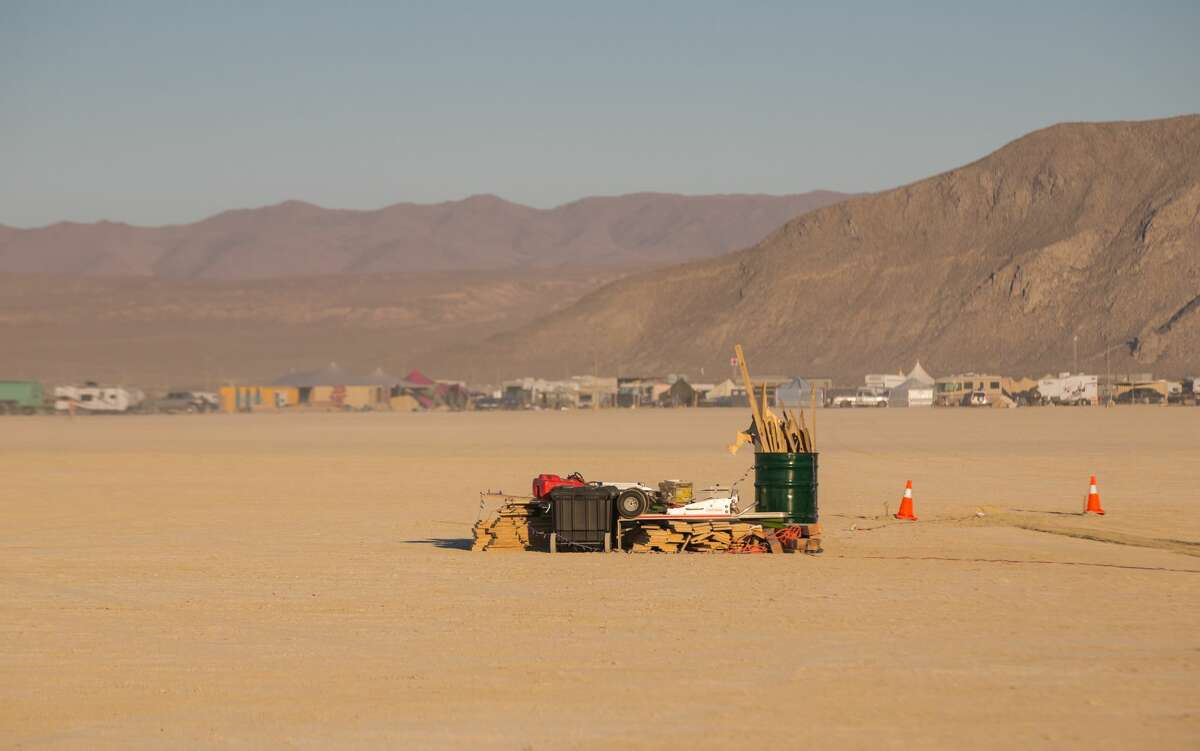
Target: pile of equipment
x: 573, y: 513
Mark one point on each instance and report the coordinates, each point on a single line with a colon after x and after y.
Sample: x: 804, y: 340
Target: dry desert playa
x: 300, y: 581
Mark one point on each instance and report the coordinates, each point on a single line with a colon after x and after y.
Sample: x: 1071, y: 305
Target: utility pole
x: 1075, y: 358
x: 1107, y: 368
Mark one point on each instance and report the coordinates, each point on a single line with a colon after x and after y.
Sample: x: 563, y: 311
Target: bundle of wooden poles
x: 769, y: 432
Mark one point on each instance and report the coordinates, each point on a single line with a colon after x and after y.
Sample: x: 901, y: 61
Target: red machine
x: 543, y: 484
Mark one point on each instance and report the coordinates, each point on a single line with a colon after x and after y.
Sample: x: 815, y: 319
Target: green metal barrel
x: 788, y: 483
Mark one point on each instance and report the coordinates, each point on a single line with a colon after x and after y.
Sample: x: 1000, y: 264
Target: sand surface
x: 299, y: 581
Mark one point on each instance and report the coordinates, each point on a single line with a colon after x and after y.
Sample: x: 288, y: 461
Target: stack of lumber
x: 706, y: 537
x: 517, y: 524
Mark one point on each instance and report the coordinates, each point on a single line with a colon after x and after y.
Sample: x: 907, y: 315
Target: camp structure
x: 257, y: 398
x: 883, y: 381
x: 331, y: 387
x: 431, y: 394
x: 919, y: 375
x: 583, y: 391
x: 916, y: 390
x: 911, y: 393
x: 679, y: 394
x: 973, y: 389
x: 798, y: 393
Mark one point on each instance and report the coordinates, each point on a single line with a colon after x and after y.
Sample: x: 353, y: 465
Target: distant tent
x: 919, y: 375
x: 911, y: 393
x: 417, y: 378
x: 451, y: 395
x: 797, y: 393
x: 681, y: 394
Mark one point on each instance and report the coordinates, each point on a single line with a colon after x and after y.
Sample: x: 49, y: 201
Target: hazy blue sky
x: 159, y: 112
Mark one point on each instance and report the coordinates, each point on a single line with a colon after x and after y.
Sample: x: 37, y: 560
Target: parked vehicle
x: 978, y: 399
x: 1066, y: 388
x: 20, y: 397
x: 97, y: 399
x: 1140, y: 396
x: 1191, y: 392
x: 864, y: 397
x: 488, y: 403
x: 182, y: 401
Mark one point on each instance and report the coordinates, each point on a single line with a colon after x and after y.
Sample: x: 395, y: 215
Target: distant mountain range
x: 1079, y: 237
x: 481, y: 232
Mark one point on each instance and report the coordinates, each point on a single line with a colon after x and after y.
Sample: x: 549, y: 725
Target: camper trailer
x: 1068, y: 388
x: 99, y: 399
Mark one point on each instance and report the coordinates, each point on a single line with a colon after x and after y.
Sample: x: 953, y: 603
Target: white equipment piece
x: 704, y: 508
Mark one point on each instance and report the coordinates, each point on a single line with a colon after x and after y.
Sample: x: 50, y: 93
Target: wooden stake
x: 758, y: 419
x: 772, y: 442
x: 812, y: 435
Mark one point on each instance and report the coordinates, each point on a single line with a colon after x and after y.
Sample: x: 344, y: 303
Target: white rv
x: 883, y: 381
x: 1068, y: 388
x: 93, y: 398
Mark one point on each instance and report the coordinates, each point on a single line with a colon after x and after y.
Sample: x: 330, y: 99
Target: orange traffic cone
x: 906, y: 504
x: 1093, y: 499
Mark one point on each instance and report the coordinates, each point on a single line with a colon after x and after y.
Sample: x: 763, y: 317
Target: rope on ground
x: 1010, y: 560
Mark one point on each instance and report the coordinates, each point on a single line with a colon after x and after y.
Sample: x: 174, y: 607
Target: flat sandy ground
x: 300, y: 581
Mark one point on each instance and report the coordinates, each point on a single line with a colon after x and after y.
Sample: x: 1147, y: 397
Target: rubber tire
x: 640, y: 503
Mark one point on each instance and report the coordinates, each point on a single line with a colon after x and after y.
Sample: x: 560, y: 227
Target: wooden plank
x: 812, y: 434
x: 741, y: 358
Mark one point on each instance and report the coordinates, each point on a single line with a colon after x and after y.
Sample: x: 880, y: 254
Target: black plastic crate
x: 583, y: 516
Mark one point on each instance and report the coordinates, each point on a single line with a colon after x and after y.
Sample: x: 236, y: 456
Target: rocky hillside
x: 1078, y: 230
x: 482, y: 232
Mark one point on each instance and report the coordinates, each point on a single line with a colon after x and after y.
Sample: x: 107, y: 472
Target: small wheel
x: 632, y: 503
x: 553, y: 542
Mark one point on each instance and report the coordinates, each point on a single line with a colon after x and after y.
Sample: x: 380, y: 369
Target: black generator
x: 583, y: 516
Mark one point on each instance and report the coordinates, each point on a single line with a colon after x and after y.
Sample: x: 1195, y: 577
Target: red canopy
x: 416, y: 376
